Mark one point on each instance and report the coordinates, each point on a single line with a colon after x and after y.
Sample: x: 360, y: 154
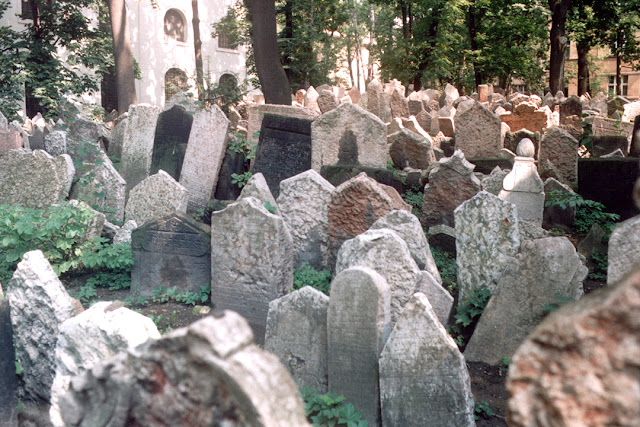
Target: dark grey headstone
x: 233, y: 163
x: 170, y: 142
x: 284, y: 149
x: 8, y: 379
x: 174, y: 251
x: 635, y: 138
x: 337, y: 174
x: 606, y: 144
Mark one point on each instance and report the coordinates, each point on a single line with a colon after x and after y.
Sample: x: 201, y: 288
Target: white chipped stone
x: 123, y: 234
x: 624, y: 249
x: 440, y: 299
x: 56, y: 143
x: 156, y: 197
x: 137, y: 143
x: 258, y: 188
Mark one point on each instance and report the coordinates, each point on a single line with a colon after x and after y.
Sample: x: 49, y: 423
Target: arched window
x: 175, y: 25
x: 228, y: 81
x: 175, y: 81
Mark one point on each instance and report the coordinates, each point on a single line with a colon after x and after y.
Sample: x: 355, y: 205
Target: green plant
x: 160, y: 295
x: 111, y: 263
x: 588, y: 212
x: 414, y: 198
x: 448, y: 269
x: 482, y: 410
x: 163, y: 324
x: 269, y: 207
x: 473, y: 306
x: 587, y: 134
x: 558, y: 301
x: 504, y: 364
x: 330, y: 410
x: 238, y: 143
x: 306, y: 275
x: 600, y: 262
x: 240, y: 179
x: 85, y: 294
x: 136, y: 301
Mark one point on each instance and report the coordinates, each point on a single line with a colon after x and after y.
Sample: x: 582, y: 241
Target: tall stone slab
x: 34, y: 179
x: 8, y: 377
x: 203, y: 158
x: 579, y: 367
x: 284, y: 149
x: 542, y: 271
x: 572, y: 106
x: 39, y: 305
x: 409, y: 149
x: 304, y: 204
x: 171, y: 252
x: 561, y: 149
x: 56, y: 143
x: 256, y: 115
x: 137, y: 143
x: 170, y: 141
x: 477, y: 132
x: 423, y: 376
x: 358, y: 327
x: 355, y: 205
x: 486, y: 238
x: 385, y: 252
x: 624, y: 250
x: 440, y: 299
x: 156, y: 197
x: 117, y: 136
x: 209, y: 373
x: 297, y: 334
x: 451, y: 182
x: 375, y: 103
x: 96, y: 334
x: 258, y: 188
x: 348, y: 135
x: 251, y: 261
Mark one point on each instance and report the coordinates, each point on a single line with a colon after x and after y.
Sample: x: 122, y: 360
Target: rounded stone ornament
x: 525, y: 148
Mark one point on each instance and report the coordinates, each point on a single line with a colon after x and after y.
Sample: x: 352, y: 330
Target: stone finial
x: 525, y: 148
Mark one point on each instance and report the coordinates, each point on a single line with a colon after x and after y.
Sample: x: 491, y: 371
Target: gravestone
x: 297, y: 334
x: 327, y: 101
x: 56, y: 143
x: 423, y: 376
x: 358, y: 327
x: 544, y: 270
x: 634, y: 149
x: 486, y: 238
x: 156, y: 197
x: 304, y: 203
x: 252, y: 261
x: 624, y: 249
x: 477, y: 132
x: 257, y: 188
x: 209, y: 373
x: 375, y: 103
x: 257, y: 112
x: 409, y: 149
x: 631, y: 111
x: 284, y: 149
x: 348, y: 135
x: 170, y: 252
x: 398, y: 103
x: 513, y: 138
x: 571, y: 107
x: 203, y: 158
x: 117, y: 136
x: 170, y: 142
x: 10, y: 140
x: 137, y: 143
x: 555, y: 216
x: 492, y: 183
x: 561, y: 149
x: 8, y: 377
x: 440, y: 299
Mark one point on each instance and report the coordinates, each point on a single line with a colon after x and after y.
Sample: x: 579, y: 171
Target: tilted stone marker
x: 624, y: 249
x: 284, y: 149
x: 543, y: 270
x: 137, y: 143
x: 348, y: 135
x: 258, y: 188
x: 156, y: 197
x: 168, y: 252
x: 56, y: 143
x: 358, y: 326
x: 8, y: 377
x: 440, y: 299
x: 304, y: 203
x: 203, y: 158
x: 170, y: 142
x: 561, y: 149
x: 209, y: 373
x: 408, y: 149
x: 423, y: 376
x: 257, y: 112
x: 251, y: 261
x: 297, y: 334
x: 477, y: 132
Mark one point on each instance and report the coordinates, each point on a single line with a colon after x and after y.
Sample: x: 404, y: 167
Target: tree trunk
x: 125, y: 80
x: 583, y: 67
x: 197, y: 46
x: 274, y: 82
x: 619, y: 63
x: 473, y: 39
x: 559, y: 42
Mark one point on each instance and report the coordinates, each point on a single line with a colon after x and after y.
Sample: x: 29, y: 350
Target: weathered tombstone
x: 634, y: 149
x: 257, y: 188
x: 624, y: 249
x: 477, y: 132
x: 440, y: 299
x: 203, y: 158
x: 10, y: 140
x: 170, y: 141
x: 358, y: 327
x: 304, y: 203
x: 39, y: 305
x: 56, y: 143
x: 512, y: 139
x: 451, y: 182
x: 555, y: 215
x: 385, y: 252
x: 209, y: 373
x: 8, y: 378
x: 297, y: 334
x: 355, y: 205
x: 447, y: 126
x: 34, y: 179
x: 137, y: 143
x: 311, y: 99
x: 257, y: 112
x: 561, y: 149
x: 348, y: 135
x: 408, y: 149
x: 419, y: 347
x: 483, y: 93
x: 571, y: 107
x: 631, y: 111
x: 492, y: 183
x: 100, y: 332
x: 183, y: 100
x: 543, y: 270
x: 327, y: 101
x: 117, y: 136
x: 171, y: 252
x: 398, y: 104
x: 156, y: 197
x: 616, y: 105
x: 486, y: 238
x: 354, y: 94
x: 579, y: 366
x: 284, y: 149
x: 523, y: 186
x: 374, y: 97
x: 449, y: 94
x: 252, y: 261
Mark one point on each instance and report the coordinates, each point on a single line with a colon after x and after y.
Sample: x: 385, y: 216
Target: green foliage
x: 473, y: 306
x: 587, y: 134
x: 238, y: 143
x: 164, y: 325
x: 161, y: 295
x: 136, y: 301
x: 482, y: 410
x: 588, y: 212
x: 240, y: 179
x: 330, y: 410
x: 225, y: 94
x: 85, y: 294
x: 414, y: 198
x: 269, y: 207
x: 504, y: 364
x: 558, y: 301
x: 306, y: 275
x: 111, y: 263
x: 448, y: 269
x: 11, y: 79
x: 600, y: 262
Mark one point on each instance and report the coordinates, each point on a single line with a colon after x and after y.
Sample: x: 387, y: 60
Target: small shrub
x: 160, y: 295
x: 482, y: 410
x: 467, y: 315
x: 414, y: 198
x: 240, y: 179
x: 309, y: 276
x: 600, y: 262
x: 448, y: 269
x: 330, y: 410
x: 504, y: 364
x: 588, y: 212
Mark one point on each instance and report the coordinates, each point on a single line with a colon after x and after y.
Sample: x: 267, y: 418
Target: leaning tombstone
x: 477, y: 132
x: 409, y: 149
x: 8, y: 377
x: 561, y: 149
x: 170, y: 141
x: 258, y: 188
x: 421, y: 368
x: 156, y: 197
x: 137, y: 143
x: 358, y: 327
x: 624, y: 249
x: 440, y: 299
